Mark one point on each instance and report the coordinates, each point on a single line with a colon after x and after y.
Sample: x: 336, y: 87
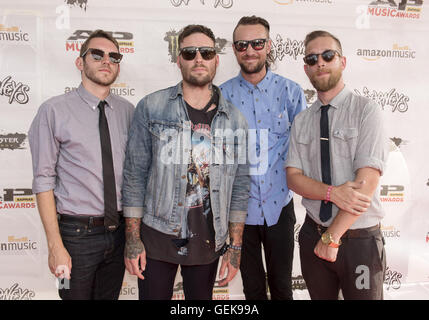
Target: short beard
x: 91, y: 76
x: 324, y: 86
x: 255, y: 69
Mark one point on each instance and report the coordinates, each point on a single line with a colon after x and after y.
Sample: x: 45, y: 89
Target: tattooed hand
x: 231, y: 259
x: 135, y: 253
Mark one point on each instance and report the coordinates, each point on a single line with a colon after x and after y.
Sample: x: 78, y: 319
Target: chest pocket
x: 166, y: 136
x: 280, y: 124
x: 345, y: 142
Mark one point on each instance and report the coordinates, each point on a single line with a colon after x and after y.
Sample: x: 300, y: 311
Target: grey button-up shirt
x: 65, y: 146
x: 357, y: 140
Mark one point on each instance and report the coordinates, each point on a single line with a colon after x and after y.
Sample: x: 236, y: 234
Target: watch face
x: 326, y: 238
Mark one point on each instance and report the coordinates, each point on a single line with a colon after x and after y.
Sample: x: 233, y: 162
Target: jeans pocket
x: 71, y: 231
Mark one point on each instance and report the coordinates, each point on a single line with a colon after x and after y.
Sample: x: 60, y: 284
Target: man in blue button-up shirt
x: 270, y: 103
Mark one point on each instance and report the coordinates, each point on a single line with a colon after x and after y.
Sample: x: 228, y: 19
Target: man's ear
x: 79, y: 63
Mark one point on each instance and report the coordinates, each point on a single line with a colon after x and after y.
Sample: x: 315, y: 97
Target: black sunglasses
x: 242, y: 45
x: 189, y: 53
x: 98, y: 55
x: 327, y: 55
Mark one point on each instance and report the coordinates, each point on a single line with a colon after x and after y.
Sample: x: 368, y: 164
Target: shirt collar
x: 178, y: 91
x: 261, y: 85
x: 336, y: 102
x: 91, y: 100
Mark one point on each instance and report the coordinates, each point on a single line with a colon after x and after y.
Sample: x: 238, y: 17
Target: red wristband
x: 328, y: 194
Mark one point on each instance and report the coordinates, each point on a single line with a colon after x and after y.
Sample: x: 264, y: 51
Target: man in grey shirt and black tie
x: 337, y: 153
x: 77, y: 143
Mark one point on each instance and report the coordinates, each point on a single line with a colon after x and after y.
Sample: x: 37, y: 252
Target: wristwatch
x: 329, y: 240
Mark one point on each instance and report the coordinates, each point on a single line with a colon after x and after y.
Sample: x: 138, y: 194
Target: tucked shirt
x: 269, y: 107
x: 65, y: 147
x: 357, y: 140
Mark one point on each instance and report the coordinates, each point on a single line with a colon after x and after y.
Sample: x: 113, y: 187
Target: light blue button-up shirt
x: 269, y: 107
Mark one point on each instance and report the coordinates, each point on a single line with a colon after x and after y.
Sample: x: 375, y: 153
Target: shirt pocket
x: 345, y: 142
x: 306, y: 151
x: 280, y: 124
x: 166, y: 140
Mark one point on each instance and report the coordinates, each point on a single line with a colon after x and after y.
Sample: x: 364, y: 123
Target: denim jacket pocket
x: 345, y: 142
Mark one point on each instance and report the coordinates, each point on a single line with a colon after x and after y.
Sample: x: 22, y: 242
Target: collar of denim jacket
x: 222, y: 107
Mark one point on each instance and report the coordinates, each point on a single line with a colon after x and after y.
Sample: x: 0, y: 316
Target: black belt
x: 351, y: 233
x: 89, y: 221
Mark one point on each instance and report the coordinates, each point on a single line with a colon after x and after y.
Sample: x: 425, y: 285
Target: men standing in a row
x: 270, y: 103
x: 336, y: 157
x: 184, y: 183
x: 77, y: 144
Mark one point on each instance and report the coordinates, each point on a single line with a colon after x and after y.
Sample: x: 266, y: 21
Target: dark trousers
x: 278, y: 241
x: 158, y: 283
x: 358, y: 271
x: 97, y: 261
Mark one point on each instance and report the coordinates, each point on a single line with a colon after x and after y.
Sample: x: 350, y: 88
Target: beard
x: 252, y: 69
x: 91, y: 74
x: 324, y: 85
x: 196, y: 80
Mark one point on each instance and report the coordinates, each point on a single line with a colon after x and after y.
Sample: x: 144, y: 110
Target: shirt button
x: 259, y: 121
x: 183, y: 177
x: 257, y: 99
x: 180, y: 204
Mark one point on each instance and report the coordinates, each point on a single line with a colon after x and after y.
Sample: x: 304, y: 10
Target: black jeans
x: 278, y: 241
x: 358, y: 271
x: 159, y: 276
x: 97, y: 261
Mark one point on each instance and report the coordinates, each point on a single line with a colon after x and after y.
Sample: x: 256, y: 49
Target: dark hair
x: 98, y: 34
x: 320, y: 33
x: 254, y: 20
x: 195, y: 28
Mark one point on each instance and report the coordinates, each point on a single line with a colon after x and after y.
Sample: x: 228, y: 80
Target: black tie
x: 325, y: 207
x: 111, y: 218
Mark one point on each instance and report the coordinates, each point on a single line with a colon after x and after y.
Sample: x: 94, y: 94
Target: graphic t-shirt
x: 199, y: 246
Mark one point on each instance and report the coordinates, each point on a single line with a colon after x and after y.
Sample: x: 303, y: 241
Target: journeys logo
x: 219, y: 293
x: 288, y: 47
x: 397, y: 52
x: 125, y: 40
x: 17, y: 199
x: 392, y: 279
x: 15, y: 91
x: 396, y: 100
x: 172, y: 38
x: 410, y: 9
x: 12, y: 141
x: 78, y: 3
x: 15, y: 292
x: 120, y: 89
x: 310, y: 96
x: 392, y: 193
x: 17, y: 246
x: 13, y: 34
x: 223, y: 3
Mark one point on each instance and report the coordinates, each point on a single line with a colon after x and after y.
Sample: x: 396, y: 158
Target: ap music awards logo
x: 15, y: 91
x: 219, y: 293
x: 172, y: 38
x: 397, y: 52
x: 17, y: 199
x: 13, y: 35
x: 392, y: 193
x: 399, y: 9
x: 392, y: 98
x: 125, y: 40
x: 12, y: 141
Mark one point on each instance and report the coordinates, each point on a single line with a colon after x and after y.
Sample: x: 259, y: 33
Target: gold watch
x: 329, y: 240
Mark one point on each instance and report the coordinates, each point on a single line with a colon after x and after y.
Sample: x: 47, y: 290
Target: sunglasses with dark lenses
x: 327, y: 55
x: 98, y: 55
x: 189, y: 53
x: 242, y: 45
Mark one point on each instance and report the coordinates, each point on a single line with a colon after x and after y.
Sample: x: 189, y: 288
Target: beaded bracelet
x: 328, y: 194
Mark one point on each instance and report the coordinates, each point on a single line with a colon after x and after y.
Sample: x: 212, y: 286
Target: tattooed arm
x: 134, y: 248
x: 231, y: 259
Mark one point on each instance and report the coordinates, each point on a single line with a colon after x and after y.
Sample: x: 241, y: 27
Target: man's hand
x: 135, y: 253
x: 348, y: 197
x: 60, y: 262
x: 325, y: 252
x: 231, y: 261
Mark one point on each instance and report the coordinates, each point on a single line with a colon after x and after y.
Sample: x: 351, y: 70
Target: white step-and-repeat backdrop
x: 387, y: 50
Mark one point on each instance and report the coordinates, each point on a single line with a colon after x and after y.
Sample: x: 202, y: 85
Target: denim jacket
x: 156, y: 164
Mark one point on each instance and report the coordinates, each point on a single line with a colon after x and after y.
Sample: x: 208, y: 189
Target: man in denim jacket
x: 186, y: 178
